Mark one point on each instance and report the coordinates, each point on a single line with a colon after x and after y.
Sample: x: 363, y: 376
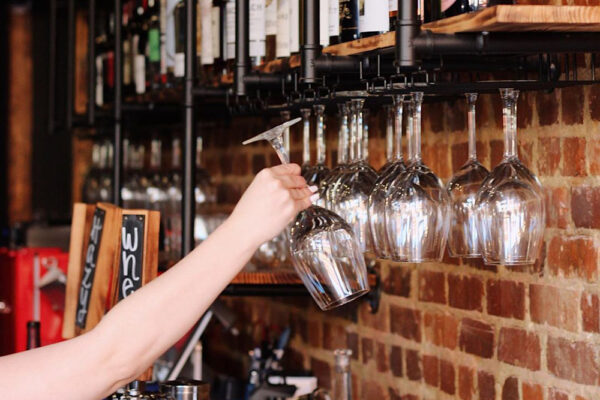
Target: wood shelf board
x: 522, y: 18
x: 359, y: 46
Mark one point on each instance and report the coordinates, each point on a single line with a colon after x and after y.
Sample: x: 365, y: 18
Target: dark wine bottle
x: 451, y: 8
x: 349, y: 13
x: 270, y: 29
x: 334, y: 21
x: 374, y: 17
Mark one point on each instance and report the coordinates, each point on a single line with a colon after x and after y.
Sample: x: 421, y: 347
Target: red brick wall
x: 457, y: 329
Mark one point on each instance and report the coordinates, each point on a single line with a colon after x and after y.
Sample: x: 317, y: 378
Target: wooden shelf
x: 522, y: 18
x: 362, y: 45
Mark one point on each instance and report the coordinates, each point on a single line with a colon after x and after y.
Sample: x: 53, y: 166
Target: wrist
x: 238, y: 234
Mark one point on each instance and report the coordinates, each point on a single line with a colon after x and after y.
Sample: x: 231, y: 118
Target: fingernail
x: 314, y: 198
x: 313, y: 188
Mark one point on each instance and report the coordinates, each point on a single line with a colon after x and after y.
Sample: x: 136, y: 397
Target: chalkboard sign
x: 89, y: 268
x: 131, y: 258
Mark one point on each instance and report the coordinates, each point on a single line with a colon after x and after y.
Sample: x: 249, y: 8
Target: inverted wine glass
x: 351, y: 201
x: 323, y: 247
x: 417, y: 211
x: 463, y: 238
x: 330, y: 184
x: 510, y: 202
x: 318, y: 172
x: 395, y: 167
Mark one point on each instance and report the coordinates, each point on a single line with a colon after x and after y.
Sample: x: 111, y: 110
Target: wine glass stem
x: 410, y: 132
x: 321, y: 149
x: 472, y: 99
x: 359, y: 135
x: 398, y: 111
x: 343, y: 139
x: 279, y: 146
x: 509, y: 112
x: 389, y: 135
x: 305, y: 139
x: 285, y: 115
x: 353, y: 135
x: 418, y: 100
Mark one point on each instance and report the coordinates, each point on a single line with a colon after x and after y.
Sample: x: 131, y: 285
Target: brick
x: 406, y: 322
x: 368, y: 349
x: 460, y: 154
x: 557, y: 206
x: 352, y: 343
x: 525, y: 152
x: 573, y: 256
x: 378, y: 321
x: 476, y: 338
x: 585, y: 206
x: 590, y: 312
x: 322, y: 371
x: 572, y: 100
x: 554, y: 306
x: 594, y: 102
x: 395, y: 395
x: 572, y: 360
x: 593, y: 147
x: 241, y: 165
x: 510, y: 389
x: 555, y: 394
x: 477, y: 263
x: 413, y: 365
x: 398, y: 281
x: 226, y: 162
x: 574, y: 150
x: 519, y: 347
x: 496, y: 152
x: 258, y: 163
x: 432, y: 287
x: 487, y: 386
x: 465, y: 292
x: 381, y: 358
x: 436, y: 112
x: 441, y: 329
x: 314, y: 333
x: 547, y: 108
x: 431, y: 370
x: 466, y: 385
x: 447, y: 377
x: 372, y: 390
x: 334, y: 336
x: 548, y: 159
x: 532, y: 391
x: 396, y: 361
x: 506, y: 298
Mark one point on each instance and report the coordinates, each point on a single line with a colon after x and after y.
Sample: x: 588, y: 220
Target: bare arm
x: 143, y: 326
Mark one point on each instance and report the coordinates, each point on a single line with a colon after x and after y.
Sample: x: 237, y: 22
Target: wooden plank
x: 362, y: 45
x: 80, y: 228
x: 522, y: 18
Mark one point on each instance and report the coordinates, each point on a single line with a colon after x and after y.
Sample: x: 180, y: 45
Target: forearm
x: 147, y: 323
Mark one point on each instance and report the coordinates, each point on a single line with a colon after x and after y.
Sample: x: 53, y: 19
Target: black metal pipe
x: 209, y: 92
x: 263, y: 80
x: 70, y: 63
x: 407, y: 28
x: 429, y: 44
x: 118, y: 103
x: 189, y: 142
x: 311, y: 47
x: 52, y: 68
x: 242, y: 49
x: 327, y: 63
x: 91, y: 105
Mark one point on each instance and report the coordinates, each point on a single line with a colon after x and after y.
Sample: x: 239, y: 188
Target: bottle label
x: 179, y: 70
x: 140, y: 73
x: 163, y: 37
x: 126, y: 61
x: 170, y: 33
x: 393, y: 5
x: 324, y: 22
x: 282, y: 41
x: 334, y: 17
x: 257, y: 28
x: 154, y: 45
x: 294, y: 26
x: 230, y: 29
x: 374, y: 16
x: 216, y: 32
x: 206, y: 55
x: 270, y: 17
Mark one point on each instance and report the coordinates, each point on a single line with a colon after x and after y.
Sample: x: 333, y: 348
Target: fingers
x: 292, y: 181
x: 286, y: 169
x: 300, y: 194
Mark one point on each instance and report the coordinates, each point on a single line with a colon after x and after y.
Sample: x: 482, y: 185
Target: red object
x: 16, y: 291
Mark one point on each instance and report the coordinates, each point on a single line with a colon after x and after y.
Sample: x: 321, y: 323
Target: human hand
x: 271, y: 202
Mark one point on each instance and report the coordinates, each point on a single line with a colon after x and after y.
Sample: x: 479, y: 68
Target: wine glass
x: 319, y: 171
x: 463, y: 238
x: 330, y: 184
x: 306, y: 167
x: 417, y: 211
x: 394, y: 167
x: 389, y: 138
x: 351, y: 201
x: 510, y: 203
x: 323, y: 248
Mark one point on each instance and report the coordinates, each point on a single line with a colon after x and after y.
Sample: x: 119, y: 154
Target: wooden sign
x: 81, y: 223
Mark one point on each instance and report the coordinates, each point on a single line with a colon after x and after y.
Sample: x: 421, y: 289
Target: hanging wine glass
x: 306, y: 167
x: 463, y: 238
x: 395, y: 167
x: 323, y: 248
x: 389, y: 138
x: 319, y: 171
x: 510, y: 203
x: 342, y: 156
x: 417, y: 211
x: 351, y: 201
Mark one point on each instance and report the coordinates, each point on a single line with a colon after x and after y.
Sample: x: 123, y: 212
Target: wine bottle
x: 163, y: 42
x: 257, y: 31
x: 294, y: 26
x: 179, y: 17
x: 451, y: 8
x: 230, y: 31
x: 128, y: 87
x: 205, y: 12
x: 393, y: 12
x: 215, y: 23
x: 349, y: 20
x: 324, y: 22
x: 270, y: 29
x: 282, y: 40
x: 374, y: 17
x: 153, y: 67
x: 334, y: 21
